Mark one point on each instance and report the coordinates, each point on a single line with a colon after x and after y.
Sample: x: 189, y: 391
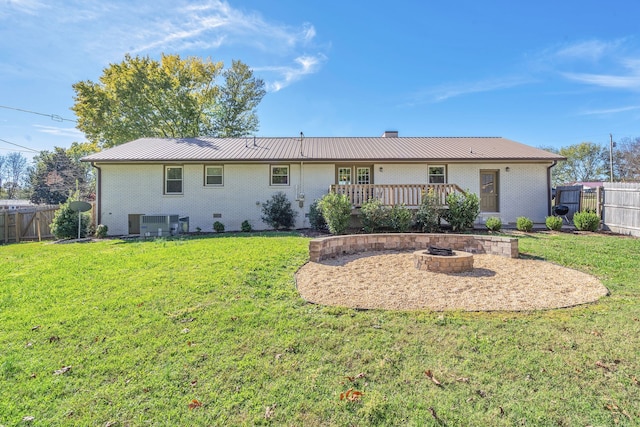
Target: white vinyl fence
x: 621, y: 213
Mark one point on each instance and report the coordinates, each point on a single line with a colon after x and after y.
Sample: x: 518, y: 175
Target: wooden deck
x: 394, y: 194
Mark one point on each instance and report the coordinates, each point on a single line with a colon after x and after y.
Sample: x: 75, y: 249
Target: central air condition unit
x: 158, y: 225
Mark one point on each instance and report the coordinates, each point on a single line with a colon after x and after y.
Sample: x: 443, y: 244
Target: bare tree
x: 626, y: 158
x: 15, y: 170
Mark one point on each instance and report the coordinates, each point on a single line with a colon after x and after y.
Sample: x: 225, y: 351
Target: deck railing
x: 394, y: 194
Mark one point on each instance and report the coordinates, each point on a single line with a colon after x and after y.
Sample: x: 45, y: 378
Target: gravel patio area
x: 389, y: 280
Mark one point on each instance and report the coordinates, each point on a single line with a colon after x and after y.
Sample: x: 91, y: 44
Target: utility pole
x: 611, y: 145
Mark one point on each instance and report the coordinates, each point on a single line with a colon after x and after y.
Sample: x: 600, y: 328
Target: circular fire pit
x: 458, y: 262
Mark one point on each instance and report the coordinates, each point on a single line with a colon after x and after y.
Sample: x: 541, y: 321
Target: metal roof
x: 319, y: 149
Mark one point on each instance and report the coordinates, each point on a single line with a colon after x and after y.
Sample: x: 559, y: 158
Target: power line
x: 18, y: 145
x: 54, y: 117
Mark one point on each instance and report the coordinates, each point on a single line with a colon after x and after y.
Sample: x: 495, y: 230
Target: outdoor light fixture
x: 507, y: 169
x: 381, y: 169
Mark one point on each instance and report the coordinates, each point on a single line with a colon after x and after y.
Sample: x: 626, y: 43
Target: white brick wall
x: 138, y: 189
x: 522, y: 191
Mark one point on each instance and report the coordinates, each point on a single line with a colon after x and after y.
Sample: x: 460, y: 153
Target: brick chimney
x: 390, y: 134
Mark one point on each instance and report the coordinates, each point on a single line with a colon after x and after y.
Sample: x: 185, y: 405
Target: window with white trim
x: 213, y: 176
x: 344, y: 176
x: 437, y: 175
x: 173, y: 180
x: 279, y: 175
x: 363, y: 175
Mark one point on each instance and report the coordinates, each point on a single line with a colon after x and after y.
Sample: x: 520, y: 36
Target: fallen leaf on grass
x: 28, y: 418
x: 268, y: 412
x: 635, y: 381
x: 351, y: 395
x: 462, y: 379
x: 185, y: 331
x: 601, y: 364
x: 62, y: 370
x: 195, y: 403
x: 191, y: 319
x: 35, y: 328
x: 429, y: 374
x: 357, y: 377
x: 54, y: 338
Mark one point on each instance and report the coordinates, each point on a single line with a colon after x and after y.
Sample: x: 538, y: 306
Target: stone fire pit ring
x: 458, y: 262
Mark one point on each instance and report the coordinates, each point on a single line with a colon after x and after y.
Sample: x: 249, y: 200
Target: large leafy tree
x: 173, y: 97
x: 55, y: 176
x: 585, y: 162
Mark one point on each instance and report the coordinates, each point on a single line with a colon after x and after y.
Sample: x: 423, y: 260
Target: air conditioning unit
x: 158, y: 225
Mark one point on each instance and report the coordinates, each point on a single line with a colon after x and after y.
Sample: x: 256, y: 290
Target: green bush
x: 429, y: 213
x: 336, y: 210
x: 553, y: 223
x: 493, y: 223
x: 218, y: 227
x: 65, y: 222
x: 374, y: 215
x: 101, y: 231
x: 463, y: 210
x: 278, y: 213
x: 400, y: 218
x: 316, y: 220
x: 246, y: 226
x: 586, y: 221
x: 524, y: 224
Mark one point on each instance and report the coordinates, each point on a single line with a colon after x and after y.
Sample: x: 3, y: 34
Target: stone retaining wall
x: 333, y: 246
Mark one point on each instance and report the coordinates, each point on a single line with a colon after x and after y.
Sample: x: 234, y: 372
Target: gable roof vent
x: 390, y: 134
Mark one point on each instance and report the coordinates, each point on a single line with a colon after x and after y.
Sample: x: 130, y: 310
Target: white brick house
x: 227, y: 180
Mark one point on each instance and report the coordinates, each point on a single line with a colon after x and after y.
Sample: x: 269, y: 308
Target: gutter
x: 98, y: 194
x: 555, y: 162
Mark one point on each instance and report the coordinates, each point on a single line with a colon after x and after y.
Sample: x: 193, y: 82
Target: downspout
x: 98, y: 194
x: 555, y: 162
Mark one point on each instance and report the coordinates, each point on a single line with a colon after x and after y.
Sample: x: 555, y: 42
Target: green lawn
x: 211, y: 331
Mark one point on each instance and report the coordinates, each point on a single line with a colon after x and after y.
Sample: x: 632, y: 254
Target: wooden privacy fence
x: 577, y: 199
x: 622, y: 208
x: 26, y: 224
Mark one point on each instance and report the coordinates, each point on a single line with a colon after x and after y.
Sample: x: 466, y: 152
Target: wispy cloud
x: 212, y: 23
x: 610, y: 110
x: 215, y: 24
x: 303, y: 65
x: 600, y: 63
x: 61, y: 131
x: 452, y: 90
x: 25, y: 6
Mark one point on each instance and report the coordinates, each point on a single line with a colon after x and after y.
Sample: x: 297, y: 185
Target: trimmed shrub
x: 374, y: 215
x: 101, y: 231
x: 65, y: 222
x: 278, y: 213
x: 336, y: 210
x: 218, y: 227
x: 553, y: 223
x: 463, y: 210
x: 316, y: 220
x: 400, y: 218
x: 493, y: 223
x: 246, y: 226
x: 524, y: 224
x: 586, y: 221
x: 429, y: 213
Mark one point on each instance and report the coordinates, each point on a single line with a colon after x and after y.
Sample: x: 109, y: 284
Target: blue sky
x: 545, y: 73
